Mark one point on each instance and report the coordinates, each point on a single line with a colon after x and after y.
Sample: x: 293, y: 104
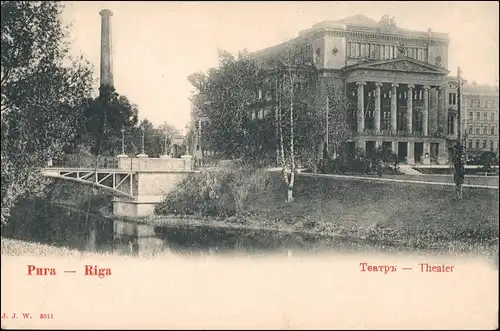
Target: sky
x: 157, y: 45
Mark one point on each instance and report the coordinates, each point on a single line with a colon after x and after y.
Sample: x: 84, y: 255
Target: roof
x: 481, y: 88
x: 400, y: 63
x: 358, y: 19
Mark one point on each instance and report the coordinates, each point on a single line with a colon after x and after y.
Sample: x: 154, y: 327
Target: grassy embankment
x: 382, y: 214
x: 370, y: 214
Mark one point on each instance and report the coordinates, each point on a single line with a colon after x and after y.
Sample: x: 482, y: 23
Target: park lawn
x: 413, y: 215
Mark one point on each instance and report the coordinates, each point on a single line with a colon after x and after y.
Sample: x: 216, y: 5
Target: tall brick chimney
x: 106, y: 57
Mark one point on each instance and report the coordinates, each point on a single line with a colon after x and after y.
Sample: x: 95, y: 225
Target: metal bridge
x: 103, y: 173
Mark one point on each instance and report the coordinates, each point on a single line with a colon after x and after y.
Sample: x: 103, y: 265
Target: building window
x: 372, y: 51
x: 477, y: 144
x: 492, y: 116
x: 470, y: 115
x: 485, y: 116
x: 492, y: 145
x: 470, y: 144
x: 478, y: 131
x: 478, y: 115
x: 485, y: 130
x: 386, y: 52
x: 484, y: 143
x: 471, y: 129
x: 452, y: 98
x: 492, y: 130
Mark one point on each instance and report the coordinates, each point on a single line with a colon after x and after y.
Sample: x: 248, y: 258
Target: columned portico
x: 397, y: 107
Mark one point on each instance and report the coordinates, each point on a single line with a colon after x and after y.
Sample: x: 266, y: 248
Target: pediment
x: 404, y: 64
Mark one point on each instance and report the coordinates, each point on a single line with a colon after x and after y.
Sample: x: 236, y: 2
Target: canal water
x: 88, y: 229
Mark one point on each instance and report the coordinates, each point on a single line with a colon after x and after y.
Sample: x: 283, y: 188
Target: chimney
x: 106, y: 58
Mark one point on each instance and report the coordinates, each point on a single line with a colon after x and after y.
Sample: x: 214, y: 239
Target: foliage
x: 382, y: 161
x: 102, y: 121
x: 223, y: 193
x: 488, y: 159
x: 44, y: 91
x: 339, y: 130
x: 458, y: 160
x: 228, y: 88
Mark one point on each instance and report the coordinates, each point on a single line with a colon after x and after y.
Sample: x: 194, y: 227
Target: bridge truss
x: 119, y: 182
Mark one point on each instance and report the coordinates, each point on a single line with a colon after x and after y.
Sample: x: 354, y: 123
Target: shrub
x: 219, y: 193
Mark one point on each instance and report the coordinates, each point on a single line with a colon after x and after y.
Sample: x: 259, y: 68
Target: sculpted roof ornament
x: 402, y: 63
x: 387, y: 24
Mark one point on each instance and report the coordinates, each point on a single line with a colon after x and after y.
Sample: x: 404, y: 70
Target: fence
x: 85, y: 161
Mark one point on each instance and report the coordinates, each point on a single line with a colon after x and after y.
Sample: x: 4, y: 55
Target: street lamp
x: 123, y: 143
x: 142, y: 142
x: 143, y: 154
x: 187, y: 139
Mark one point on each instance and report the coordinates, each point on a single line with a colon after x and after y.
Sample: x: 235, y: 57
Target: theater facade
x: 397, y: 80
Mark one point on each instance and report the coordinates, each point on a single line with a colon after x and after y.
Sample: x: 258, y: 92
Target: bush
x: 488, y: 160
x: 219, y: 193
x: 383, y: 161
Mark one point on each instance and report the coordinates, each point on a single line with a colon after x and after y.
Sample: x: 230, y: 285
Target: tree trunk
x: 292, y: 141
x: 277, y: 121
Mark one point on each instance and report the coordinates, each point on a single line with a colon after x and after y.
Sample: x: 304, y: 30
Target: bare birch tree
x: 289, y: 65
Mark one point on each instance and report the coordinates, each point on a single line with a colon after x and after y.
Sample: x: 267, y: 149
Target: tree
x: 291, y: 70
x: 167, y: 131
x: 458, y: 158
x: 43, y: 94
x: 339, y: 130
x: 102, y: 121
x: 228, y: 89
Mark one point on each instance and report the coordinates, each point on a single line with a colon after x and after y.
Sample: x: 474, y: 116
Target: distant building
x: 480, y: 118
x: 396, y: 78
x: 397, y: 81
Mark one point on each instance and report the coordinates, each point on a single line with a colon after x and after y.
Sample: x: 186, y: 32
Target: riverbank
x: 368, y: 214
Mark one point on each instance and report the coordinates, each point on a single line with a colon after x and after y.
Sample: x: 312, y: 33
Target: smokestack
x: 106, y: 58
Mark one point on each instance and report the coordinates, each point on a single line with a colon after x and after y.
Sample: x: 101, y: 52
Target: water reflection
x: 88, y: 230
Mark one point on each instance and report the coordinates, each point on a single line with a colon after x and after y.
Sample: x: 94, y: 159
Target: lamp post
x: 187, y: 139
x: 142, y: 141
x: 123, y: 141
x: 123, y: 144
x: 143, y: 154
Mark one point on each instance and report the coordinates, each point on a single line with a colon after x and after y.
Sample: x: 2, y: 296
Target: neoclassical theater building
x: 396, y: 78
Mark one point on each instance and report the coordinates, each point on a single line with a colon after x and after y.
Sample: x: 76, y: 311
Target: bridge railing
x: 84, y: 161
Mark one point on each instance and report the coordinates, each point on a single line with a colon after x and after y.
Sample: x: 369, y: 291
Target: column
x: 455, y: 125
x: 411, y: 153
x: 394, y: 107
x: 361, y: 107
x: 409, y: 114
x: 442, y: 118
x: 425, y: 117
x: 426, y: 157
x: 377, y: 107
x: 395, y: 147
